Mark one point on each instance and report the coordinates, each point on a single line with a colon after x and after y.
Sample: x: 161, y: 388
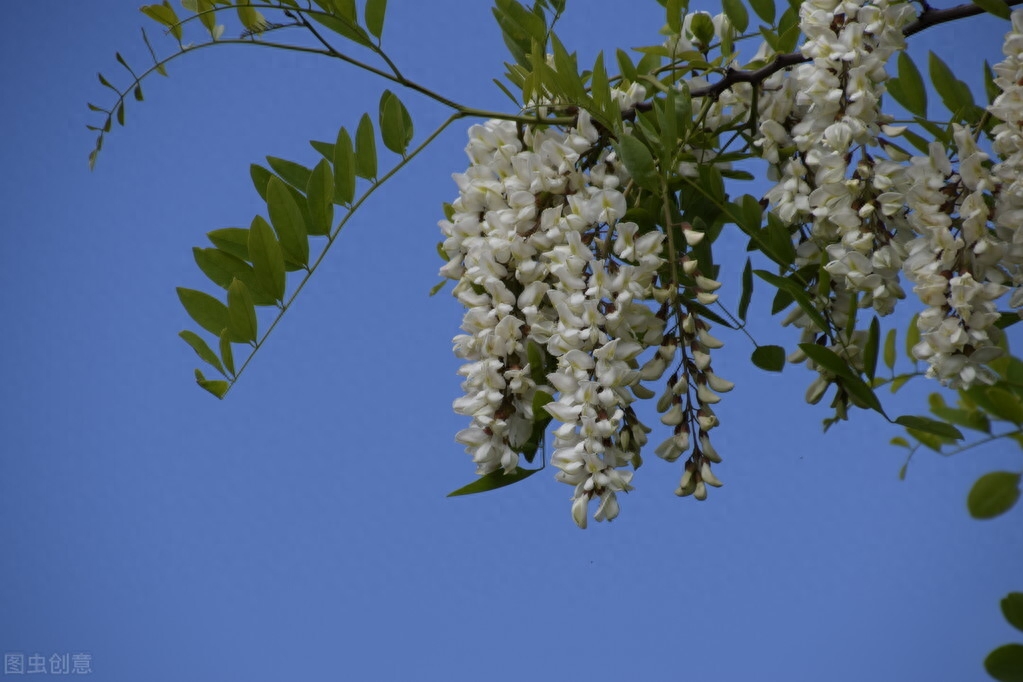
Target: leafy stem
x: 376, y: 184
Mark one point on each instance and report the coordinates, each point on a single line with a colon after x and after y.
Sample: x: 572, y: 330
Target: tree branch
x: 928, y: 18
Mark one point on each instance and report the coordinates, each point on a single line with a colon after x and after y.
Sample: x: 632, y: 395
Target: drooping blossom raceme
x: 835, y: 117
x: 555, y: 284
x: 1008, y: 172
x: 965, y: 255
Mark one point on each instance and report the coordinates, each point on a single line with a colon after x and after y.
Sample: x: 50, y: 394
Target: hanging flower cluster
x: 562, y: 299
x: 834, y: 112
x: 872, y: 219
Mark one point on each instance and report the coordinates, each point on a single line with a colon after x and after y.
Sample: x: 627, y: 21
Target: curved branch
x: 928, y: 18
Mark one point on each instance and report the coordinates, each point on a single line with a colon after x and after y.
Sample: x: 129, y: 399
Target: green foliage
x: 493, y: 481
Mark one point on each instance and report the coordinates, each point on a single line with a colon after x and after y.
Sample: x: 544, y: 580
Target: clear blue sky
x: 299, y: 529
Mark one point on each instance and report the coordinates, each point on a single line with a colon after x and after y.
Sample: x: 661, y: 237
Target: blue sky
x: 299, y: 529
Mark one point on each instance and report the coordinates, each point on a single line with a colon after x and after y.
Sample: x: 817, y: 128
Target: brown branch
x: 929, y: 17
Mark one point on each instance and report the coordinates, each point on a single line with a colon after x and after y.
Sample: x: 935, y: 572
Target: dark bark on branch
x: 929, y: 17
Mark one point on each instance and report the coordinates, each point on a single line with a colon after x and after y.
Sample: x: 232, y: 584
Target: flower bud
x: 717, y: 383
x: 692, y: 237
x: 705, y: 395
x: 708, y: 476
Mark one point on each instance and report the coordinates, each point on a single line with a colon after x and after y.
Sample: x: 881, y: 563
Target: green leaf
x: 1012, y: 609
x: 673, y: 10
x: 260, y: 177
x: 996, y: 7
x: 204, y: 9
x: 955, y: 94
x: 908, y: 89
x: 847, y: 377
x: 928, y: 425
x: 764, y: 10
x: 267, y: 258
x: 747, y: 290
x: 797, y: 293
x: 104, y: 81
x: 346, y: 28
x: 395, y: 123
x: 233, y: 240
x: 600, y: 90
x: 871, y: 348
x: 320, y: 192
x: 639, y: 162
x: 770, y: 358
x: 889, y: 350
x: 344, y: 169
x: 138, y: 93
x: 970, y: 418
x: 223, y: 267
x: 241, y: 313
x: 165, y: 15
x: 991, y: 88
x: 365, y: 149
x: 202, y: 349
x: 374, y: 16
x: 288, y: 222
x: 208, y: 312
x: 912, y: 337
x: 216, y: 387
x: 295, y: 174
x: 226, y: 352
x: 777, y: 236
x: 492, y: 481
x: 120, y: 114
x: 535, y: 356
x: 1005, y: 663
x: 993, y: 494
x: 325, y: 149
x: 625, y: 66
x: 1005, y: 405
x: 737, y: 14
x: 437, y: 287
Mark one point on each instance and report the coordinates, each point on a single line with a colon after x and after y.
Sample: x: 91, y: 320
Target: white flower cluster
x: 966, y: 255
x: 555, y: 284
x: 835, y: 110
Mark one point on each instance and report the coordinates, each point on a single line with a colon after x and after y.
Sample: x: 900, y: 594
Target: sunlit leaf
x: 226, y: 352
x: 217, y: 387
x: 320, y: 194
x: 208, y: 312
x: 241, y: 313
x: 889, y: 350
x: 202, y: 349
x: 365, y: 149
x: 395, y: 123
x: 295, y: 174
x: 267, y: 258
x: 222, y: 267
x: 288, y: 222
x: 737, y: 14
